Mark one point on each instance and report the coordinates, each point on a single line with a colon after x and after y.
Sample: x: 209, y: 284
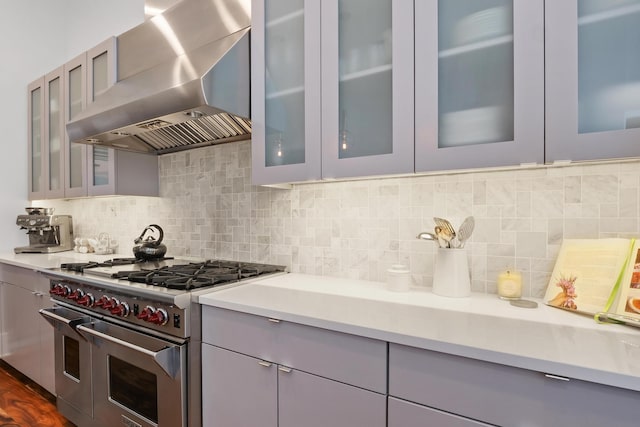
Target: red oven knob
x: 87, y: 300
x: 60, y: 290
x: 159, y: 317
x: 146, y: 313
x: 102, y: 301
x: 76, y: 295
x: 111, y: 304
x: 121, y: 309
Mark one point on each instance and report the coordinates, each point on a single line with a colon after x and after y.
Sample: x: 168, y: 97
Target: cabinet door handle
x: 272, y: 320
x: 557, y: 377
x: 284, y: 369
x: 37, y: 294
x: 265, y: 364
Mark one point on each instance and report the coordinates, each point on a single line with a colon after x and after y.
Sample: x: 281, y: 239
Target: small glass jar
x: 510, y: 285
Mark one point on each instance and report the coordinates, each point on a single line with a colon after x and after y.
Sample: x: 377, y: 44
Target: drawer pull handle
x: 557, y: 377
x: 265, y: 364
x: 273, y: 320
x: 284, y: 369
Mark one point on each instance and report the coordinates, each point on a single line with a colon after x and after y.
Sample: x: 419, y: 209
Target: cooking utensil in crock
x: 465, y: 230
x: 149, y: 248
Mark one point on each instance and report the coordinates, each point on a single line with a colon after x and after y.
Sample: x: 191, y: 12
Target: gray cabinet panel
x: 348, y: 358
x: 407, y: 414
x: 237, y: 390
x: 479, y: 84
x: 27, y: 339
x: 504, y: 395
x: 592, y: 79
x: 311, y: 401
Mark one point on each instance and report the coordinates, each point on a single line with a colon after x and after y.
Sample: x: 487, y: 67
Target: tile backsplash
x: 357, y: 229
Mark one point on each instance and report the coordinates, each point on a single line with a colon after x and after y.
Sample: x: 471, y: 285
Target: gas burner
x: 78, y: 267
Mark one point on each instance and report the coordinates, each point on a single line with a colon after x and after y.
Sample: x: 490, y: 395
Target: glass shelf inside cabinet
x: 608, y: 65
x: 475, y: 72
x: 592, y: 11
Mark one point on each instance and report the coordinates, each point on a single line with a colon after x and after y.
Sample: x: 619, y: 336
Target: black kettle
x: 149, y: 248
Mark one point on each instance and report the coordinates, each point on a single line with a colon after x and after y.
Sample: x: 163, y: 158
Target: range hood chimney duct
x: 183, y: 82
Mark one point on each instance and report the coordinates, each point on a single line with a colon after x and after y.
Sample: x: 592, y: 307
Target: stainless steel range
x: 128, y: 337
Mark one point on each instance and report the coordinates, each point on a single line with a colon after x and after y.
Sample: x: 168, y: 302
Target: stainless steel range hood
x: 183, y: 82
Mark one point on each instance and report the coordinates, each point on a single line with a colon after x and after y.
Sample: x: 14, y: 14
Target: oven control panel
x: 130, y: 309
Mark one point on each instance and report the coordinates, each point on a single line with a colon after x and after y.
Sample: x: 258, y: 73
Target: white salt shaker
x: 398, y: 278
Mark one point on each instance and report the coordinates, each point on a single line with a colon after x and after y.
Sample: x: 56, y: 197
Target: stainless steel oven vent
x: 200, y: 132
x: 183, y: 82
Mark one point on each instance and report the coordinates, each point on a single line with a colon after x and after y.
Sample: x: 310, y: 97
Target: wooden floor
x: 25, y: 404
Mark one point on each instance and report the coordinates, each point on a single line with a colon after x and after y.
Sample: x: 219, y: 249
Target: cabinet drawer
x: 504, y: 395
x: 407, y: 414
x: 342, y: 357
x: 23, y: 277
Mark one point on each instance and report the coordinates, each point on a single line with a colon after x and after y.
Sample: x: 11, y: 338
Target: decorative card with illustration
x: 587, y: 275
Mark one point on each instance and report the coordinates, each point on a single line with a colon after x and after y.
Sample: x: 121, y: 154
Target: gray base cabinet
x: 27, y: 339
x: 267, y: 372
x: 503, y: 395
x: 407, y: 414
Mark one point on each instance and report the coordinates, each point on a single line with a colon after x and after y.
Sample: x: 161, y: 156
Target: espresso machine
x: 47, y: 232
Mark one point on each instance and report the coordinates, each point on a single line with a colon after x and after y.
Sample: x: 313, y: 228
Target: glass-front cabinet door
x: 35, y: 135
x: 367, y: 87
x: 75, y: 73
x: 285, y: 76
x: 54, y: 134
x: 101, y: 75
x: 592, y: 79
x: 479, y: 83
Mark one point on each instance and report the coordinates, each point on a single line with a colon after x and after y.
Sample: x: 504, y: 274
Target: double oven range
x: 128, y: 336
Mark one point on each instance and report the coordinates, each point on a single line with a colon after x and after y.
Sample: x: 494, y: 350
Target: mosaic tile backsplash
x: 357, y: 229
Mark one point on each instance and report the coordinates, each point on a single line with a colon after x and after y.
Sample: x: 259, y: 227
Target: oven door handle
x: 51, y: 315
x: 168, y: 358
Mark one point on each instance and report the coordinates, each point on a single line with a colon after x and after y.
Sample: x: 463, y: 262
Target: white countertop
x: 53, y: 260
x: 482, y: 326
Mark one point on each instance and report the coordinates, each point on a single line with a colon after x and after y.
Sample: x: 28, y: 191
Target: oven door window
x: 134, y: 388
x: 72, y: 357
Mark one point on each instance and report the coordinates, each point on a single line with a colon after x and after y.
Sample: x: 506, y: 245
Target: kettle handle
x: 148, y: 228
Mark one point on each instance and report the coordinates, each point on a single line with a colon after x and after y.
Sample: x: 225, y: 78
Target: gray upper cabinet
x: 592, y: 79
x: 285, y: 86
x: 367, y: 87
x: 75, y: 73
x: 479, y: 94
x: 60, y: 168
x: 47, y: 136
x: 349, y: 114
x: 35, y: 137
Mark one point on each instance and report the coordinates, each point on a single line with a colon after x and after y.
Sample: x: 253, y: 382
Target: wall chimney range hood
x: 183, y: 82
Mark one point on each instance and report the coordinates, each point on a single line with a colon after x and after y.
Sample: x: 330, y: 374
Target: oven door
x: 72, y: 364
x: 138, y: 380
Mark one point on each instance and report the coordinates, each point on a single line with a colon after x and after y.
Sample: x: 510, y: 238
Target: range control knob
x: 111, y: 304
x: 60, y: 290
x: 121, y: 309
x: 76, y: 295
x: 87, y: 300
x: 159, y: 317
x: 103, y: 302
x: 146, y: 313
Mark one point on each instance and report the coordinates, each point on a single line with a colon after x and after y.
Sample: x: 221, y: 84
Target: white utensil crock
x: 451, y: 273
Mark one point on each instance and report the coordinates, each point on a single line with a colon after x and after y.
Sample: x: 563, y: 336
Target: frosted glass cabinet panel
x: 285, y: 55
x: 479, y: 83
x: 367, y: 87
x: 54, y: 134
x: 101, y: 75
x: 594, y: 43
x: 75, y: 72
x: 35, y: 132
